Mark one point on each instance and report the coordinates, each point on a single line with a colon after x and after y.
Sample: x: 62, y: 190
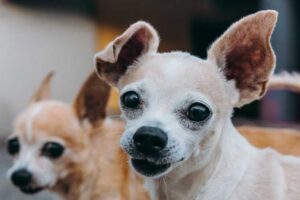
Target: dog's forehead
x: 178, y: 71
x: 51, y: 118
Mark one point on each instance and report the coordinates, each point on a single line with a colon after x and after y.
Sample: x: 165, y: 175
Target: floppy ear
x: 90, y: 103
x: 112, y: 62
x: 43, y: 91
x: 244, y: 54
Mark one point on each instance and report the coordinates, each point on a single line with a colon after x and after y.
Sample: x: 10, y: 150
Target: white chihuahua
x: 178, y: 108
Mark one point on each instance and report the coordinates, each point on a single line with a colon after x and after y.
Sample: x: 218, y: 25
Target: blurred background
x: 37, y: 36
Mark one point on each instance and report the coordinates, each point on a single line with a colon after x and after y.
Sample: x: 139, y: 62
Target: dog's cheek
x: 62, y: 173
x: 191, y: 146
x: 44, y: 172
x: 179, y: 148
x: 124, y: 142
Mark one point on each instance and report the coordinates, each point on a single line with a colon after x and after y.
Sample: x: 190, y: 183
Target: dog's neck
x: 215, y: 180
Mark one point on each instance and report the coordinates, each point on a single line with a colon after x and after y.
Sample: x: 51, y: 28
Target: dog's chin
x: 31, y: 190
x: 149, y: 169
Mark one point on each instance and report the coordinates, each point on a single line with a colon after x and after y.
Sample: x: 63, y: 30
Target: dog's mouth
x: 31, y: 190
x: 148, y: 168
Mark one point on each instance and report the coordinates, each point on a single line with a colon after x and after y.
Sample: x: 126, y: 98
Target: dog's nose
x: 150, y: 139
x: 21, y: 178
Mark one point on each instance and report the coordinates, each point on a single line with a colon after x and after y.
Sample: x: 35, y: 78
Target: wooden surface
x: 286, y: 141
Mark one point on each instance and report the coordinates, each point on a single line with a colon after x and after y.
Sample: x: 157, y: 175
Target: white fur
x: 233, y: 170
x: 224, y: 167
x: 211, y: 161
x: 34, y: 112
x: 29, y: 159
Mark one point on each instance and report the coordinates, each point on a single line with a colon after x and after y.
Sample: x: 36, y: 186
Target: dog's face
x: 50, y: 139
x: 166, y: 118
x: 175, y: 104
x: 45, y: 144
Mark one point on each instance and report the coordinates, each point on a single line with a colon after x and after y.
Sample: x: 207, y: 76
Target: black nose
x: 150, y: 139
x: 21, y: 178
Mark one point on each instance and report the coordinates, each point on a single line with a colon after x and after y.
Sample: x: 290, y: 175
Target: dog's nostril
x: 138, y: 140
x: 150, y: 139
x: 158, y: 144
x: 21, y: 178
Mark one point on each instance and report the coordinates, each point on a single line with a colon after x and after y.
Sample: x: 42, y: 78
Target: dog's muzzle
x: 150, y: 144
x: 150, y: 140
x: 23, y: 179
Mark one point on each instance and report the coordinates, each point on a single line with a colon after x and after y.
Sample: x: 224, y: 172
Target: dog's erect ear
x: 245, y: 55
x: 90, y: 103
x: 112, y: 62
x: 44, y: 90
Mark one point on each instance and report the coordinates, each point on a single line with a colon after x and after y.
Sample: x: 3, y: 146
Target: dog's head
x: 50, y: 138
x: 176, y: 104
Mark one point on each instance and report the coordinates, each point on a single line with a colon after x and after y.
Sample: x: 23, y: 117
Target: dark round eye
x: 198, y: 112
x: 52, y: 150
x: 130, y: 100
x: 13, y: 146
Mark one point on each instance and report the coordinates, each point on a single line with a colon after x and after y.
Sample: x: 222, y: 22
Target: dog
x: 178, y: 107
x: 71, y: 149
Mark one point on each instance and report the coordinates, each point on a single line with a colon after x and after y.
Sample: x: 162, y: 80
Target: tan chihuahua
x: 178, y: 109
x: 73, y: 149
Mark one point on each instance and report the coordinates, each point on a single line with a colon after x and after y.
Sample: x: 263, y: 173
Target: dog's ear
x: 44, y: 90
x: 91, y: 101
x: 112, y: 62
x: 245, y: 55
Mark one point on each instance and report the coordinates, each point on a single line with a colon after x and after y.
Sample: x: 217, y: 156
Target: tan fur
x: 216, y: 161
x: 43, y: 92
x: 93, y: 166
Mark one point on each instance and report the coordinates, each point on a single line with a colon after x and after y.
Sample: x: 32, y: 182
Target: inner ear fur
x: 91, y: 101
x: 245, y: 55
x: 112, y: 62
x: 44, y: 90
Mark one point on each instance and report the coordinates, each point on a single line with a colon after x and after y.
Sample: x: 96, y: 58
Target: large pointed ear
x: 44, y: 90
x: 112, y: 62
x: 90, y: 103
x: 244, y: 54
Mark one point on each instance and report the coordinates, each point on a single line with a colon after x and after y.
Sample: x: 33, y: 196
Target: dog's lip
x: 31, y: 190
x: 148, y: 168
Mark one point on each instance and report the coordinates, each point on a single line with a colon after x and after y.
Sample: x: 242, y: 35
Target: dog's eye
x: 13, y: 146
x: 198, y: 112
x: 52, y: 150
x: 130, y: 100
